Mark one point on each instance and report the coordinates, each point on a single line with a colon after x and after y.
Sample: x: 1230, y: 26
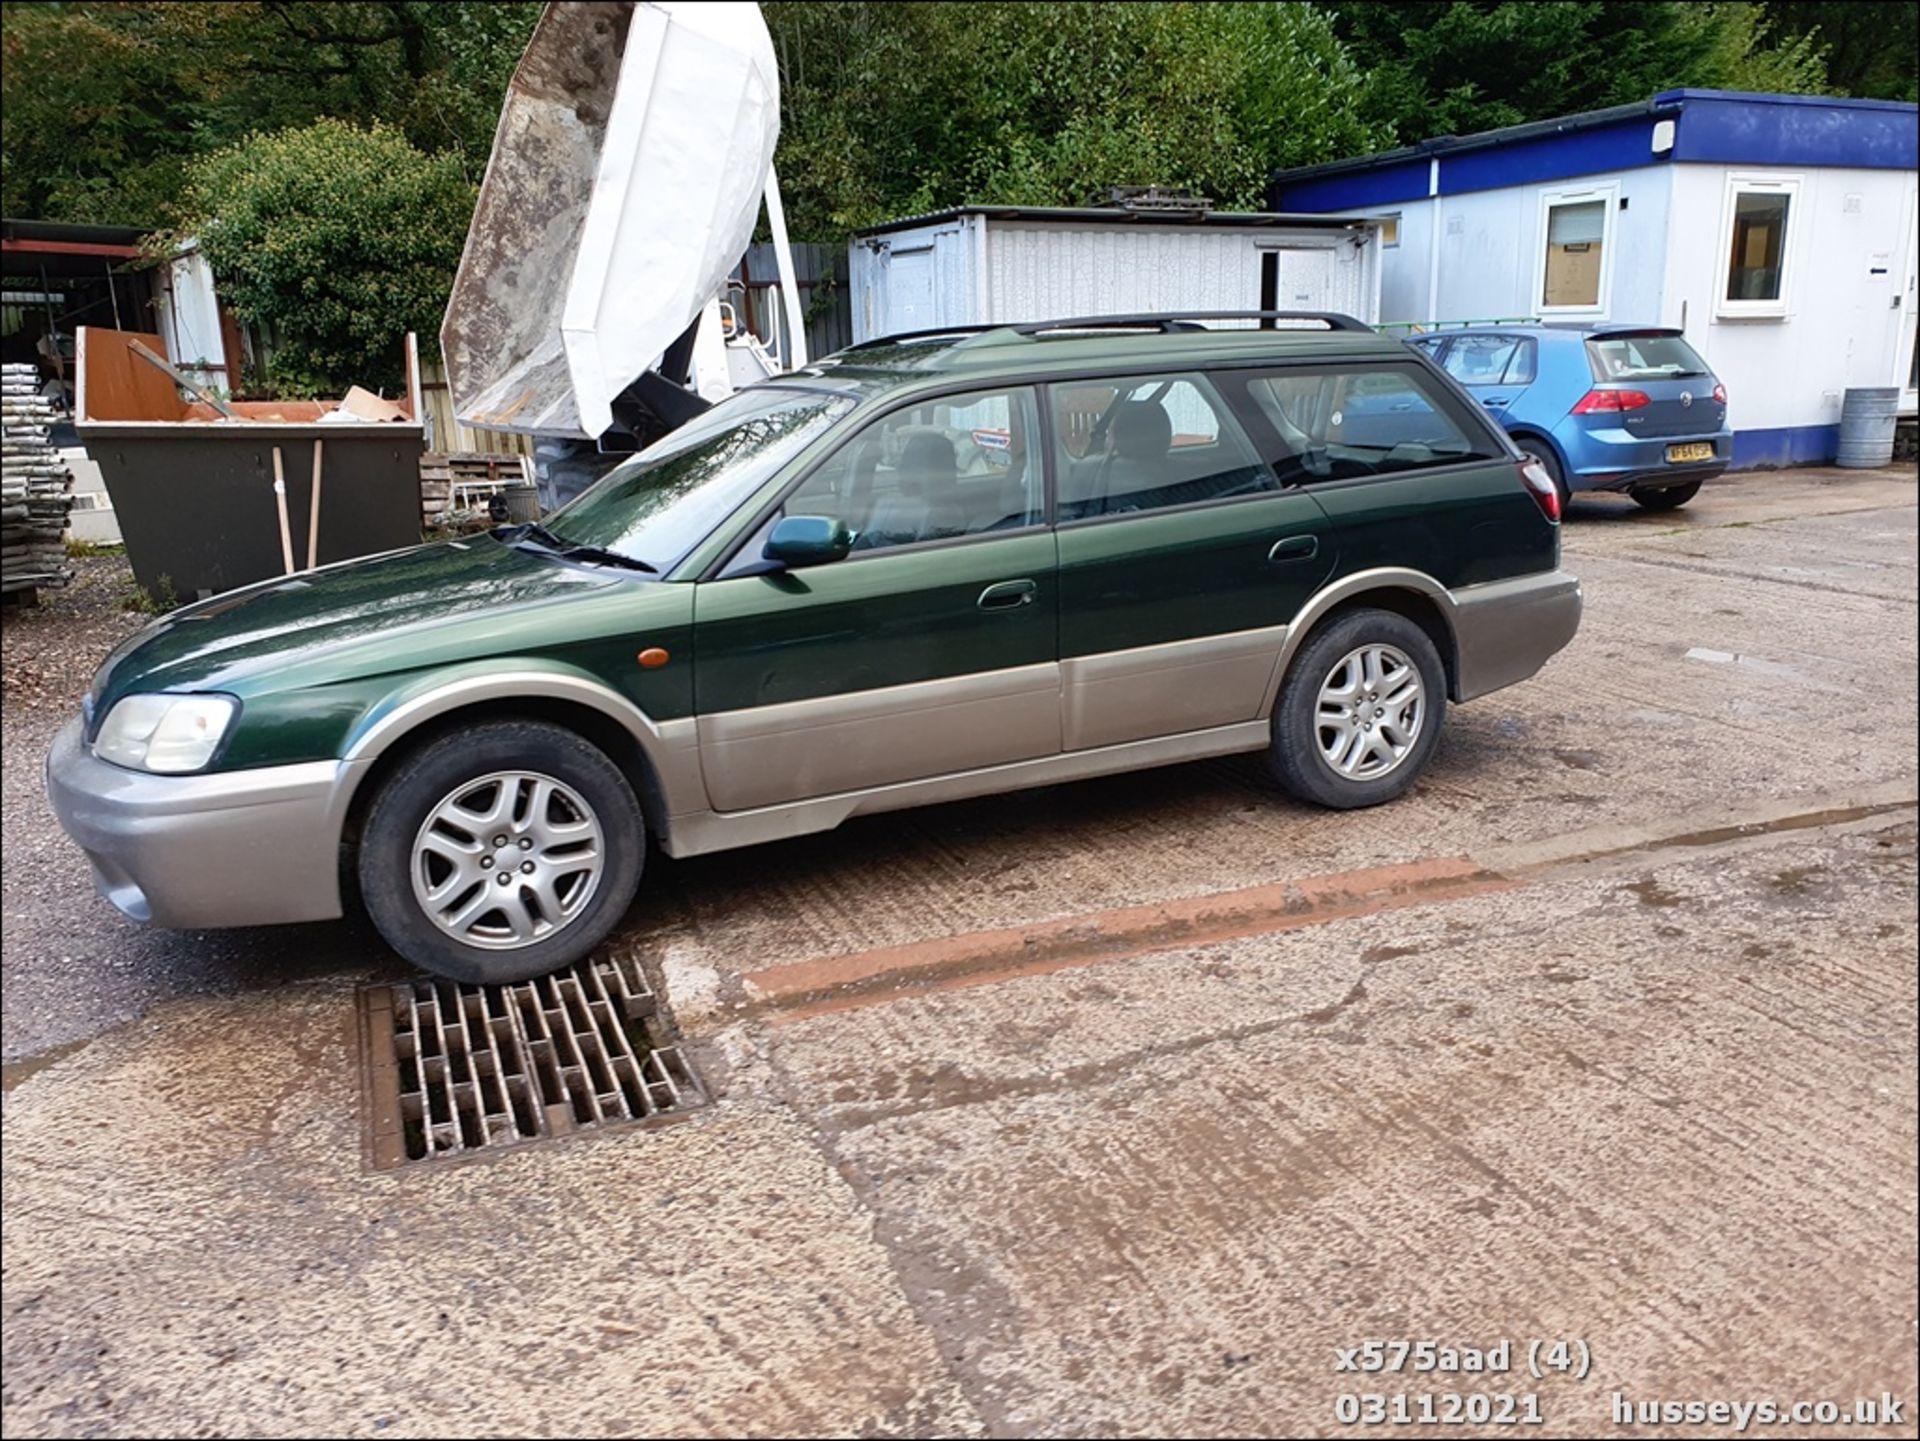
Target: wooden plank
x: 185, y: 382
x: 113, y: 385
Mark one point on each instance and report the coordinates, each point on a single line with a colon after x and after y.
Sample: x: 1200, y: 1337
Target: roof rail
x: 1173, y: 320
x: 1166, y: 322
x: 933, y: 334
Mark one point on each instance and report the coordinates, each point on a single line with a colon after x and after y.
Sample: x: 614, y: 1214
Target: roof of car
x: 1007, y: 352
x: 1571, y: 329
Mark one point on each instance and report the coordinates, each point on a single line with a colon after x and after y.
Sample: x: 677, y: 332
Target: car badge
x: 1686, y: 397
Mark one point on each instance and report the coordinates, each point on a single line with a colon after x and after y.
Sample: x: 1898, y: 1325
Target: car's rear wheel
x: 1543, y: 453
x: 1360, y: 711
x: 502, y: 852
x: 1671, y: 497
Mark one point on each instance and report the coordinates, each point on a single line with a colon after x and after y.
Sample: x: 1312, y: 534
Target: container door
x: 910, y: 291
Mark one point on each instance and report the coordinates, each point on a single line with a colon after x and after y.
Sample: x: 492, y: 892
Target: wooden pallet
x: 465, y: 475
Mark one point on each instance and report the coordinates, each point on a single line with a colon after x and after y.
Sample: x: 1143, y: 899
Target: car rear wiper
x: 571, y: 550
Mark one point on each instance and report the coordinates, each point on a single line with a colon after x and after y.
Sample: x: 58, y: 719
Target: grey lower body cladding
x: 261, y: 846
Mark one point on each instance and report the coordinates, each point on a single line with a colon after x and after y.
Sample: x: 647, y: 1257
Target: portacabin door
x: 1182, y: 559
x: 932, y: 648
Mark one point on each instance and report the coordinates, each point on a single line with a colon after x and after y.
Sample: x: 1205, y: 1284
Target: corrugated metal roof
x: 61, y: 230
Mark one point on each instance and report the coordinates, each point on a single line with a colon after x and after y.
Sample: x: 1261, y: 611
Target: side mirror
x: 808, y: 540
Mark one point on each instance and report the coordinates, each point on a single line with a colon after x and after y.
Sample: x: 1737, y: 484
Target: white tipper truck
x: 633, y: 154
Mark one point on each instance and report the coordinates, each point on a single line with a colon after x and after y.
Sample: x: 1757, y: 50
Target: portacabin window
x: 1576, y: 255
x: 1755, y: 232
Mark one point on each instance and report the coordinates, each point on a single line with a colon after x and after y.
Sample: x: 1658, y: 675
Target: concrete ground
x: 1117, y: 1108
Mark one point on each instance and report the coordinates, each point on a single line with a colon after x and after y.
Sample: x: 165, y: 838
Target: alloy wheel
x: 507, y: 859
x: 1370, y: 711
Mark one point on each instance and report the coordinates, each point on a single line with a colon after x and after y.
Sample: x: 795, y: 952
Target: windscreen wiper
x: 572, y: 550
x: 600, y: 555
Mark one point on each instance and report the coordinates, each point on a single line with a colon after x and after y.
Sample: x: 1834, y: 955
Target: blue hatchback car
x: 1601, y: 407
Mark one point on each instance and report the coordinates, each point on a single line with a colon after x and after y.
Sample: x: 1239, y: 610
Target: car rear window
x: 1643, y: 357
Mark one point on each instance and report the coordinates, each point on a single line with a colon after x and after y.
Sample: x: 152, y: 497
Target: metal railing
x: 1427, y: 327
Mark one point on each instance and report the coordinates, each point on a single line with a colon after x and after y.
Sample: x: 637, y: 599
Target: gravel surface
x: 48, y: 651
x: 73, y: 965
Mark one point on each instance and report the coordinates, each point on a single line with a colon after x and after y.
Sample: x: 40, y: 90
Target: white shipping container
x: 999, y: 265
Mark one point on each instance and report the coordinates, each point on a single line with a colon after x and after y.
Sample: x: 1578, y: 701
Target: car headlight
x: 165, y: 733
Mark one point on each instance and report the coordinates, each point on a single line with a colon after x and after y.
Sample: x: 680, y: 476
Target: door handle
x: 1495, y: 399
x: 1294, y: 547
x: 1007, y: 595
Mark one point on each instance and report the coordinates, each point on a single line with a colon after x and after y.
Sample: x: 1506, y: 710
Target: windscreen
x: 667, y: 499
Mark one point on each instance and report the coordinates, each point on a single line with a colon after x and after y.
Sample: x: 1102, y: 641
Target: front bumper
x: 240, y: 848
x: 1506, y: 630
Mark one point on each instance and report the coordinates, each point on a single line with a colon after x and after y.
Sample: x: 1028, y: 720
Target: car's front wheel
x: 1360, y: 711
x: 501, y: 852
x: 1671, y: 497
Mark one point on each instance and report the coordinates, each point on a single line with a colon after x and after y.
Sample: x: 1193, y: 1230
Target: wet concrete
x: 1654, y: 1091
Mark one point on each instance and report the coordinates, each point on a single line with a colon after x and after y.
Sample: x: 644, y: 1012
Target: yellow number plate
x: 1678, y: 454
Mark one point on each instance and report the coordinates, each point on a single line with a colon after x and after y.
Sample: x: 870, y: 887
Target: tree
x: 104, y: 104
x: 1872, y: 47
x: 891, y: 109
x: 1453, y: 67
x: 336, y: 238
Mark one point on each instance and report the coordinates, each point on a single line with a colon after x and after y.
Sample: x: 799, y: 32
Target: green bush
x: 336, y: 239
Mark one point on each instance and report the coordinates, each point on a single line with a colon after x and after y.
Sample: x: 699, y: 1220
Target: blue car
x: 1602, y: 407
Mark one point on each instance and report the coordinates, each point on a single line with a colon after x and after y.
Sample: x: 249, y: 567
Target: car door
x: 931, y: 648
x: 1181, y: 559
x: 1495, y: 369
x: 1444, y: 500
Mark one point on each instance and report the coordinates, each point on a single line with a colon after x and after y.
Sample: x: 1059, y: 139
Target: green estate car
x: 931, y: 566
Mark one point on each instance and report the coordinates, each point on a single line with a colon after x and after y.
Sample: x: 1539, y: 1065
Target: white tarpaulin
x: 626, y: 177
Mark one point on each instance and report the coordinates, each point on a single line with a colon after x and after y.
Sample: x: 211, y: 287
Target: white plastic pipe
x: 789, y: 287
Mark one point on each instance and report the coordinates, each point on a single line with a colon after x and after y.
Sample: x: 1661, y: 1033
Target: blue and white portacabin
x: 1776, y: 233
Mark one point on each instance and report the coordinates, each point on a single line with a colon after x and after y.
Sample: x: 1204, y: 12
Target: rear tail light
x: 1719, y: 394
x: 1596, y: 401
x: 1546, y: 494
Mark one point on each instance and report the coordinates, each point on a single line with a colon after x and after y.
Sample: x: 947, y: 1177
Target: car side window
x: 956, y: 466
x: 1351, y: 422
x: 1480, y: 359
x: 1143, y: 443
x: 1523, y: 368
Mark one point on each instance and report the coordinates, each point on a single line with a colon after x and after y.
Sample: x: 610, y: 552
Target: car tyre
x: 1308, y: 722
x: 1670, y: 498
x: 579, y: 857
x: 1543, y: 453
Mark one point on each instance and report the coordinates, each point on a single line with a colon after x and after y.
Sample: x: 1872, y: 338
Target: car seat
x: 922, y: 507
x: 1142, y: 440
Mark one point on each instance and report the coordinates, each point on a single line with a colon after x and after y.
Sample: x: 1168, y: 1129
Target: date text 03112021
x: 1540, y: 1358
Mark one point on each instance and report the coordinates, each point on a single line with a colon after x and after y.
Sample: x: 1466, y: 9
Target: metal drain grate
x: 450, y: 1070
